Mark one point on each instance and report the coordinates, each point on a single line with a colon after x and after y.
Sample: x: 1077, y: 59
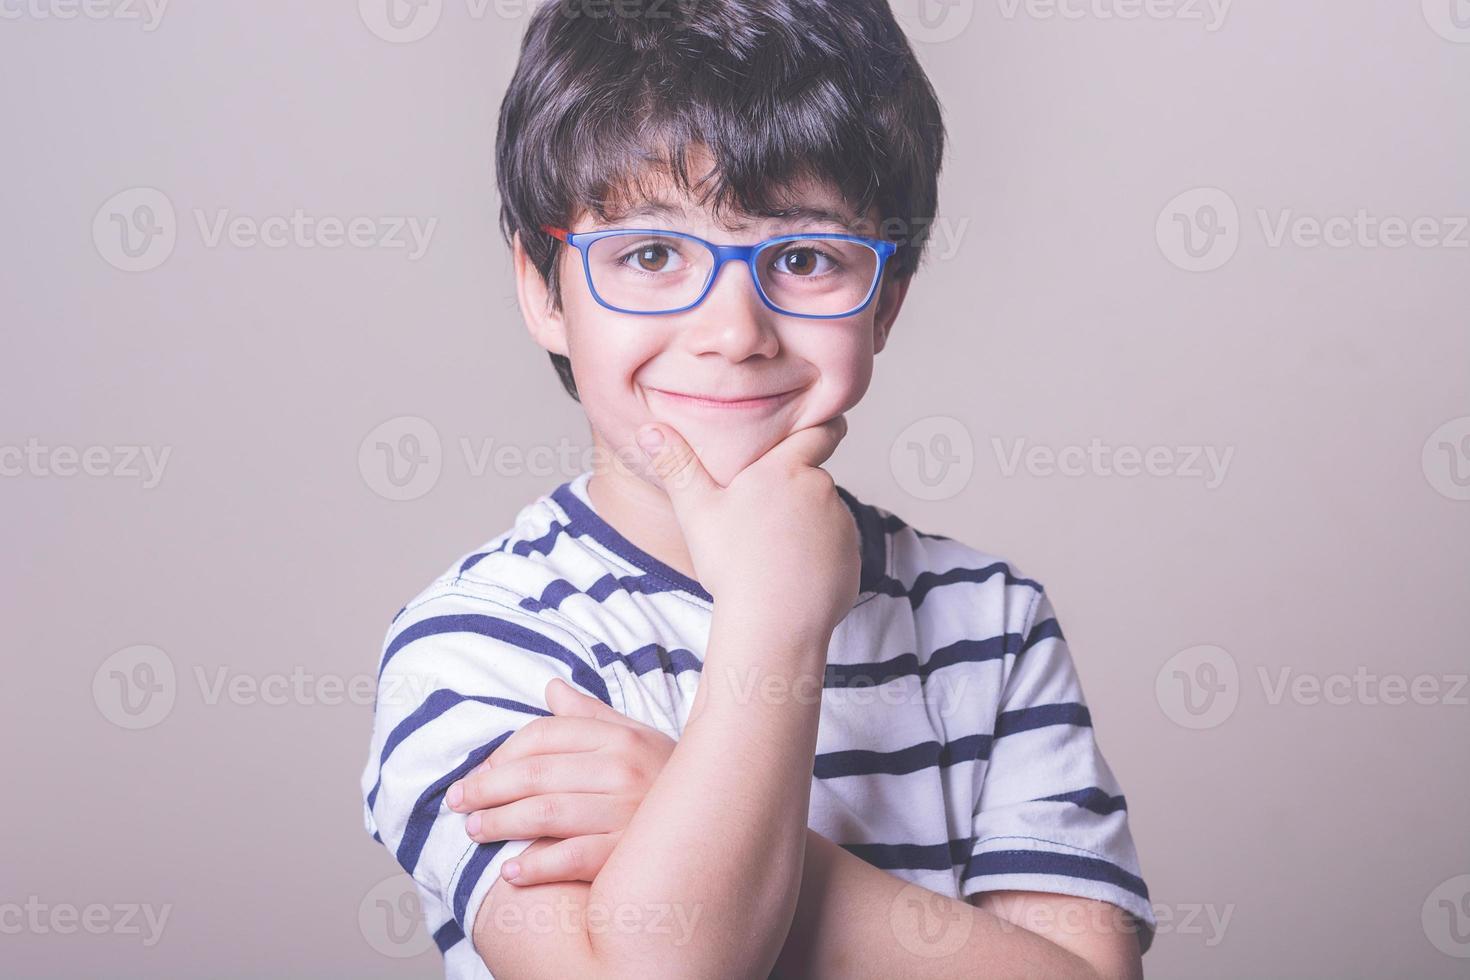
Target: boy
x: 742, y: 723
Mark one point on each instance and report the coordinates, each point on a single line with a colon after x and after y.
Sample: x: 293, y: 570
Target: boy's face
x: 630, y: 369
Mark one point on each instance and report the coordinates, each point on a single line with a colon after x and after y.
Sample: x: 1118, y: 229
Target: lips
x: 726, y: 401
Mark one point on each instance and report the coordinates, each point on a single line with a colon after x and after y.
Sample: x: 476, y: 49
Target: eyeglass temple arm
x: 555, y: 232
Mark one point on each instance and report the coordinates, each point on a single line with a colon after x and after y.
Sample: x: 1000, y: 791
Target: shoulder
x: 944, y: 578
x: 504, y: 589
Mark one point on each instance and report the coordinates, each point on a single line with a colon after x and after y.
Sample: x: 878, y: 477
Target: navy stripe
x: 583, y: 674
x: 913, y: 857
x: 1040, y: 716
x: 907, y: 664
x: 927, y: 582
x: 872, y: 543
x: 1047, y: 629
x: 584, y: 522
x: 925, y: 755
x: 1053, y: 864
x: 426, y: 809
x: 435, y: 705
x: 447, y: 935
x: 473, y: 869
x: 650, y: 657
x: 1092, y: 798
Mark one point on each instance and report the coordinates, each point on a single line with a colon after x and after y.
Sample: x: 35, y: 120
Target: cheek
x: 845, y: 369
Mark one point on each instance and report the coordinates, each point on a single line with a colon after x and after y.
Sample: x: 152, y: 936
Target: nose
x: 732, y: 320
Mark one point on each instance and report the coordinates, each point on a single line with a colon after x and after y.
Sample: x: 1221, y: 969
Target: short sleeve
x: 457, y: 676
x: 1050, y: 815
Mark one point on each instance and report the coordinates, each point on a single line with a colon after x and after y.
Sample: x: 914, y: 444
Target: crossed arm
x: 716, y: 874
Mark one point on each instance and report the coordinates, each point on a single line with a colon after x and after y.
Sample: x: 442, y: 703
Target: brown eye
x: 799, y: 261
x: 653, y: 258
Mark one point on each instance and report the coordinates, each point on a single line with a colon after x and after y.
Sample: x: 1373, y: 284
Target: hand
x: 777, y: 540
x: 578, y: 775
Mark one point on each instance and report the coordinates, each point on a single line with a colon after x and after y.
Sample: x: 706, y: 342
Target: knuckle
x: 547, y: 810
x: 534, y: 773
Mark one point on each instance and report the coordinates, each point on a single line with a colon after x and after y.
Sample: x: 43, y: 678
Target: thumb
x: 676, y: 465
x: 566, y: 701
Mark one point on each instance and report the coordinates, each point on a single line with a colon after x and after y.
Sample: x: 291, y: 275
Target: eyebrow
x: 796, y: 213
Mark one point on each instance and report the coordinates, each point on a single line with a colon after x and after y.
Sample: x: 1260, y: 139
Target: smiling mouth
x: 726, y: 403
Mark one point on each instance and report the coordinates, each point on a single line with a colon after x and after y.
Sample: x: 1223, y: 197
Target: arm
x: 857, y: 921
x: 721, y: 835
x: 716, y: 844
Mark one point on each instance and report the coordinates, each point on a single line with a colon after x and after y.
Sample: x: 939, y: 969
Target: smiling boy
x: 723, y: 718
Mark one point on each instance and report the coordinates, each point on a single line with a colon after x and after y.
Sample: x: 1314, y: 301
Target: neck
x: 640, y: 511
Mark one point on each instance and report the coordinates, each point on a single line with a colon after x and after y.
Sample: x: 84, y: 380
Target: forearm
x: 856, y: 921
x: 721, y: 835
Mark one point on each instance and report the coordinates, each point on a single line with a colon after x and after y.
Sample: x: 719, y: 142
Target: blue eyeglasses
x: 649, y: 271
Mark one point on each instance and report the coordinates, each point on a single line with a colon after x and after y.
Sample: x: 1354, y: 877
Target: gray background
x: 1280, y: 836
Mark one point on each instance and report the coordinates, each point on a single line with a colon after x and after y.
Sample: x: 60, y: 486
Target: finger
x: 678, y: 469
x: 577, y: 772
x: 578, y: 859
x: 566, y: 701
x: 553, y: 815
x: 813, y: 445
x: 548, y: 734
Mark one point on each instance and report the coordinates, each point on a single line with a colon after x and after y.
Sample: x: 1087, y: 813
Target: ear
x: 546, y: 324
x: 891, y: 295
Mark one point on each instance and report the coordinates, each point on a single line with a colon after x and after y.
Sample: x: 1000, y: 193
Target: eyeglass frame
x: 582, y: 240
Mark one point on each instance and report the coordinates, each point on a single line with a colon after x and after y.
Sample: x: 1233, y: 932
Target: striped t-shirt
x: 954, y: 750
